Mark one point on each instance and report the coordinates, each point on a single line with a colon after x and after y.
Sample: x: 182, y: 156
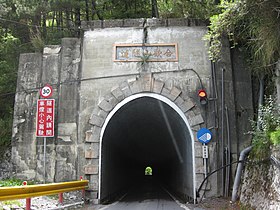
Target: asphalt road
x: 147, y: 196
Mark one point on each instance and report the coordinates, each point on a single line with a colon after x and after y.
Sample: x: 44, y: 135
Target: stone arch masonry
x: 144, y: 83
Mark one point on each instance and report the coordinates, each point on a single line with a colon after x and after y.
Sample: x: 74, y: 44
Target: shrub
x: 266, y: 130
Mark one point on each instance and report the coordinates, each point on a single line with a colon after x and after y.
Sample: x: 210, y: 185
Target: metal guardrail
x: 29, y: 191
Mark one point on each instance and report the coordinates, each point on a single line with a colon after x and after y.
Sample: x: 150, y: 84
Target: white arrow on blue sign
x: 204, y: 135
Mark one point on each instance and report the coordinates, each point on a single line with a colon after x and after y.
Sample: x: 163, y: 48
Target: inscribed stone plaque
x: 91, y: 169
x: 145, y: 52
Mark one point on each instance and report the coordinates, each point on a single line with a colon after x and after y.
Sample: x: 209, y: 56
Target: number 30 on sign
x: 46, y: 91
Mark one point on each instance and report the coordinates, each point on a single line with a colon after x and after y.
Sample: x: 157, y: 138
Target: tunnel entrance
x: 148, y: 171
x: 146, y: 130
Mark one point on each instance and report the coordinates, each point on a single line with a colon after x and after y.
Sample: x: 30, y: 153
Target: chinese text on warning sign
x: 45, y: 118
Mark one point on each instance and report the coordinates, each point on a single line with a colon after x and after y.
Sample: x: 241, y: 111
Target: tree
x: 254, y: 26
x: 8, y: 75
x: 154, y: 9
x: 187, y: 9
x: 277, y: 71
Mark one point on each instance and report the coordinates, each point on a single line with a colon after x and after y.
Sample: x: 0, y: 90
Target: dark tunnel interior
x: 146, y: 132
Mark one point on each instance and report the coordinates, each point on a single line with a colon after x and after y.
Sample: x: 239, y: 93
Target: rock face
x: 59, y: 67
x: 5, y: 166
x: 92, y: 76
x: 261, y: 184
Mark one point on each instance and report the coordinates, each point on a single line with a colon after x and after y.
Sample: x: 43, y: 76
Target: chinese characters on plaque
x: 153, y: 52
x: 45, y: 118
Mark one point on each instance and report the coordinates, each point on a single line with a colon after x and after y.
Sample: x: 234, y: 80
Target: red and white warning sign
x: 45, y: 118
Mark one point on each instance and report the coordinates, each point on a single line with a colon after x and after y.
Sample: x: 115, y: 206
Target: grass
x: 10, y: 204
x: 10, y: 182
x: 14, y: 182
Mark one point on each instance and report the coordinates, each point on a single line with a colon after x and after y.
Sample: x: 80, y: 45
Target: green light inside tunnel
x: 148, y: 171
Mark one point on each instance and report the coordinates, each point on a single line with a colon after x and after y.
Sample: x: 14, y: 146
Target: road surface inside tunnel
x: 149, y: 195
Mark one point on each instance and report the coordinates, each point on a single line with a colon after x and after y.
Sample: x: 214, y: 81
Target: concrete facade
x: 89, y: 84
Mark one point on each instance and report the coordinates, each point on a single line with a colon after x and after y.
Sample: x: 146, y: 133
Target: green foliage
x: 37, y: 40
x: 8, y: 68
x: 144, y: 59
x: 10, y: 182
x: 3, y: 7
x: 251, y: 24
x: 223, y: 24
x: 275, y: 137
x: 10, y: 204
x: 269, y: 119
x: 148, y: 171
x: 266, y: 131
x: 5, y: 133
x: 8, y: 51
x: 120, y: 9
x: 187, y: 9
x: 261, y: 147
x: 14, y: 182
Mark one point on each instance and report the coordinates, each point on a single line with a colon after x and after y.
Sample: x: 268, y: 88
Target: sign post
x: 45, y: 148
x: 45, y: 118
x: 204, y: 136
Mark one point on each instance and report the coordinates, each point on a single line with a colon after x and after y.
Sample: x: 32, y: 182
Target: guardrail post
x: 28, y: 200
x: 60, y: 198
x: 83, y: 190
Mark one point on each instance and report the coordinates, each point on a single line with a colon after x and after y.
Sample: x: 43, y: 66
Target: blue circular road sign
x: 204, y: 135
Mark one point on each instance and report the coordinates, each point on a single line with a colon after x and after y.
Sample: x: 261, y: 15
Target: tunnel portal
x: 108, y: 125
x: 146, y: 131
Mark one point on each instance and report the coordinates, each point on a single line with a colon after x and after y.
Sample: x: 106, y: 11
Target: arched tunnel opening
x: 146, y: 132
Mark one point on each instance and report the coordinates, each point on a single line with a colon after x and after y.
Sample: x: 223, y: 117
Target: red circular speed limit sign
x: 46, y: 91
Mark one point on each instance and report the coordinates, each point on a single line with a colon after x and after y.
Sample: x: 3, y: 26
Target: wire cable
x: 197, y: 192
x: 94, y: 78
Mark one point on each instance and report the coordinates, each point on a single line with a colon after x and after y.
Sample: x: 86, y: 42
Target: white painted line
x: 177, y: 201
x: 105, y: 207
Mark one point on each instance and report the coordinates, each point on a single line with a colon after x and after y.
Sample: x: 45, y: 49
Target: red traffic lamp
x: 202, y: 96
